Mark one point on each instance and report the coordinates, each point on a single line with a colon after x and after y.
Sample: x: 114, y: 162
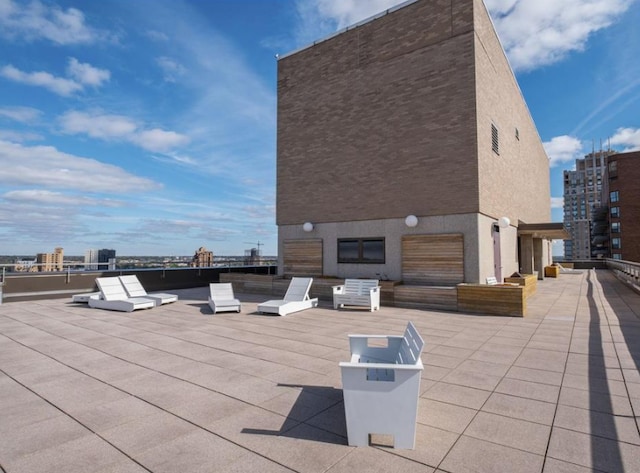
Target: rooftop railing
x: 626, y: 271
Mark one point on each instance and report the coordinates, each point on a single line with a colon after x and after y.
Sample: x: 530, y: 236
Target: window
x: 615, y: 212
x: 494, y: 139
x: 617, y: 256
x: 361, y: 250
x: 616, y: 243
x: 614, y: 196
x: 615, y: 227
x: 613, y: 168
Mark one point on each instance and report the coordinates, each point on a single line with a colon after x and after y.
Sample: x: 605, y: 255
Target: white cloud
x: 19, y: 136
x: 46, y: 167
x: 172, y: 69
x: 542, y: 32
x: 58, y: 85
x: 46, y: 197
x: 557, y: 202
x: 81, y: 74
x: 120, y: 128
x: 627, y: 137
x: 562, y: 149
x: 533, y: 33
x: 20, y: 114
x: 86, y: 74
x: 96, y: 125
x: 159, y: 140
x: 34, y: 20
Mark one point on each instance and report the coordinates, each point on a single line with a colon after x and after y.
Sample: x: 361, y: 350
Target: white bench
x: 381, y: 386
x: 492, y: 281
x: 360, y: 292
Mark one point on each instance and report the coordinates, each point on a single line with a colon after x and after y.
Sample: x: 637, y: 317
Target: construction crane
x: 258, y: 244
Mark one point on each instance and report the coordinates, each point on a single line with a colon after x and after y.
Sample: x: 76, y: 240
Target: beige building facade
x: 402, y: 142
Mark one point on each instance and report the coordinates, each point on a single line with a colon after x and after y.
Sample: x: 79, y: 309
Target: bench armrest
x: 359, y: 345
x: 338, y: 289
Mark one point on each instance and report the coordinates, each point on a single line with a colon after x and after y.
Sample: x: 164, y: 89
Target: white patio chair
x: 221, y: 298
x: 114, y: 297
x: 135, y: 289
x: 296, y: 299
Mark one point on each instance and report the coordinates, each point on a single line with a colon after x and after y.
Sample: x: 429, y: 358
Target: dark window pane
x: 373, y: 251
x: 348, y: 250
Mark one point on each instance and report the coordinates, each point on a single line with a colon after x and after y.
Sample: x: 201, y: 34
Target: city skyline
x: 150, y: 126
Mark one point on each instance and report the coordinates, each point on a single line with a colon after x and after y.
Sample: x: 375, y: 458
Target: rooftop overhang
x: 547, y: 231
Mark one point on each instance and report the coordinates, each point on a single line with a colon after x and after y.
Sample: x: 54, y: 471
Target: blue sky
x: 149, y: 126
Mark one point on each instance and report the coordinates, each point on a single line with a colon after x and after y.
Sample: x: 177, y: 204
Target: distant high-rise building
x: 51, y: 261
x: 623, y: 198
x: 104, y: 259
x: 203, y: 258
x: 582, y: 196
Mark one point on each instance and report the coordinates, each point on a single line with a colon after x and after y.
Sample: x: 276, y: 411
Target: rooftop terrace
x: 176, y: 389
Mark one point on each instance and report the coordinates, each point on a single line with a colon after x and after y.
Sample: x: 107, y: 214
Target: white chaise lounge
x: 135, y: 289
x: 221, y: 298
x: 114, y: 297
x: 84, y: 297
x: 358, y: 292
x: 296, y: 299
x: 381, y: 386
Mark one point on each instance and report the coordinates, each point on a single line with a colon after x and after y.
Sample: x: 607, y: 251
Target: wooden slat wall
x: 433, y: 259
x: 303, y: 257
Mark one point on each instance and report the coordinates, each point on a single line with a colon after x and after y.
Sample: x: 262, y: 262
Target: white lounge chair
x: 221, y: 298
x: 135, y: 289
x: 114, y: 297
x: 84, y: 297
x: 296, y: 299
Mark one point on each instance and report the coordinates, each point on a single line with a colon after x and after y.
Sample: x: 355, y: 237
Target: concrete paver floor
x: 177, y: 389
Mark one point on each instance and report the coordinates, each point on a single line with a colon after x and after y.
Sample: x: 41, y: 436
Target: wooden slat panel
x: 426, y: 297
x: 303, y: 257
x: 495, y: 300
x: 433, y: 259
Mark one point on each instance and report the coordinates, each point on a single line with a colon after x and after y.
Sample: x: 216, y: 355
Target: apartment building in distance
x: 407, y: 152
x: 624, y: 205
x: 104, y: 259
x: 51, y: 261
x: 582, y: 197
x: 202, y: 258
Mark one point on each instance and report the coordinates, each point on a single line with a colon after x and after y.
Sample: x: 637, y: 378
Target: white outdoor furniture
x: 135, y: 289
x: 381, y: 385
x: 296, y: 299
x: 114, y: 297
x: 84, y: 297
x: 360, y: 292
x: 221, y: 298
x: 492, y: 281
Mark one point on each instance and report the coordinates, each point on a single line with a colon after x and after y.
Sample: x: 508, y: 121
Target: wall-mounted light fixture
x: 307, y: 227
x: 504, y: 222
x: 411, y: 221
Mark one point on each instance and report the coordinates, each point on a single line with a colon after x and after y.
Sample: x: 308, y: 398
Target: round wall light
x: 307, y: 227
x: 504, y: 222
x: 411, y: 221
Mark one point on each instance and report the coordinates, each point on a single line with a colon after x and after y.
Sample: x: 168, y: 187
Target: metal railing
x: 16, y: 286
x: 626, y: 271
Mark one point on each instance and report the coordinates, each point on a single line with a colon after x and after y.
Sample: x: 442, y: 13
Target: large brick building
x: 624, y: 205
x: 402, y: 142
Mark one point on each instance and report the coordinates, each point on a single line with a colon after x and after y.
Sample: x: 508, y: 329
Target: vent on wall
x: 494, y: 139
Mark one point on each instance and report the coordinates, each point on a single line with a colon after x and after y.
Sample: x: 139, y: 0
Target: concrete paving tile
x: 376, y: 460
x: 85, y: 454
x: 542, y: 359
x: 435, y: 373
x: 598, y: 423
x: 473, y: 379
x: 25, y: 411
x: 147, y: 432
x: 501, y: 357
x: 510, y: 432
x: 197, y: 451
x: 458, y: 395
x: 491, y: 368
x: 470, y: 455
x: 528, y: 389
x: 551, y: 465
x: 101, y: 417
x: 453, y: 352
x: 595, y: 384
x: 38, y: 436
x: 441, y: 360
x: 299, y: 403
x: 593, y: 452
x: 331, y: 420
x: 520, y: 408
x: 617, y: 405
x: 535, y: 375
x: 444, y: 416
x: 431, y: 446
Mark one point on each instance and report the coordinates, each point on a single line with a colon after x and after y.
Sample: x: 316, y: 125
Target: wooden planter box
x: 426, y: 297
x: 529, y: 281
x: 492, y: 299
x: 551, y: 271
